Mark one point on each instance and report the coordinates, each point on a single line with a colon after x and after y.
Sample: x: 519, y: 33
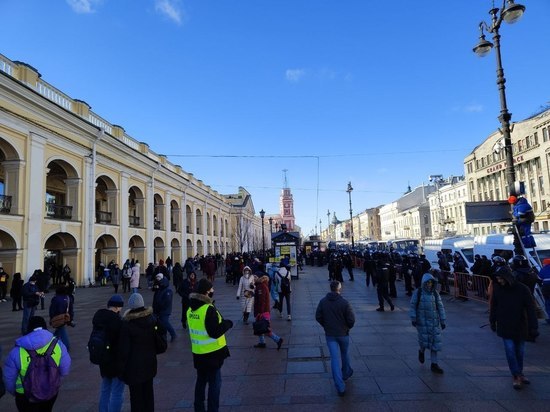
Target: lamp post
x: 262, y: 215
x: 349, y: 190
x: 510, y: 13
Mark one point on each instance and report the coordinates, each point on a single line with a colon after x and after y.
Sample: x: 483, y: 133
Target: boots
x: 245, y: 317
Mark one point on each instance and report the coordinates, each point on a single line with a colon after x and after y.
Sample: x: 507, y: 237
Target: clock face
x: 287, y: 204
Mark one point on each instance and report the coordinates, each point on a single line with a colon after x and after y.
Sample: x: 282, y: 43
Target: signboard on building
x: 488, y: 212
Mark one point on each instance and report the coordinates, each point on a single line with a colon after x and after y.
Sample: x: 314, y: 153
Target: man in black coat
x: 514, y: 319
x: 335, y: 315
x: 112, y: 388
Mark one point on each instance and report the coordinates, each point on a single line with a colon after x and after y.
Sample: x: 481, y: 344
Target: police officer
x: 206, y: 329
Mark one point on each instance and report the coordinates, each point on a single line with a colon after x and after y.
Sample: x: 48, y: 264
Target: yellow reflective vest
x: 201, y: 343
x: 25, y: 359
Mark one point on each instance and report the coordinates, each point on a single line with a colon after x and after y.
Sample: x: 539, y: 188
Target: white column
x: 168, y: 226
x: 149, y: 222
x: 184, y: 235
x: 124, y: 220
x: 35, y: 199
x: 205, y: 229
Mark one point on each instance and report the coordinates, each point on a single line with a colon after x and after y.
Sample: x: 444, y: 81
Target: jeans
x: 165, y: 321
x: 111, y: 395
x: 213, y: 378
x: 286, y: 297
x: 28, y: 312
x: 338, y: 346
x: 514, y: 350
x: 61, y: 333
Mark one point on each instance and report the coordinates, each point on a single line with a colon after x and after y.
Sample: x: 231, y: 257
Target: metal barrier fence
x: 467, y: 286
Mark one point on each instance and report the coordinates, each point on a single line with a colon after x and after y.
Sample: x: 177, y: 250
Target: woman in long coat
x: 245, y: 292
x: 262, y: 310
x: 428, y: 316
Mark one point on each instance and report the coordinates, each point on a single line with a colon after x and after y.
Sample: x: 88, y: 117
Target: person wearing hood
x: 207, y: 330
x: 262, y: 310
x: 37, y: 338
x: 513, y: 318
x: 137, y: 356
x: 335, y: 315
x: 428, y: 317
x: 245, y: 292
x: 162, y: 304
x: 112, y: 388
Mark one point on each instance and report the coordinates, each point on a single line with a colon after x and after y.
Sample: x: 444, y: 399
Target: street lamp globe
x: 483, y: 47
x: 262, y: 213
x: 512, y: 12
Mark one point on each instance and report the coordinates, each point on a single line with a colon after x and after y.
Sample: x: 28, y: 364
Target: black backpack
x: 285, y: 284
x: 98, y: 347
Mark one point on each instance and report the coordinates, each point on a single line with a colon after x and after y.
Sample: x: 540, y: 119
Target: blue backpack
x: 43, y: 378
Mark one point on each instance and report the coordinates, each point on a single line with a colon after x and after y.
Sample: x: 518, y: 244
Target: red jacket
x: 261, y: 296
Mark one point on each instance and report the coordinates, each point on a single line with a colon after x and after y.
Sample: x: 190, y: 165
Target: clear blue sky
x: 379, y: 93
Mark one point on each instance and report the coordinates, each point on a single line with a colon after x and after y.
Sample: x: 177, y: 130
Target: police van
x: 464, y: 245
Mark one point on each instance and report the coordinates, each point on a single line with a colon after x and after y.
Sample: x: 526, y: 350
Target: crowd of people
x: 133, y: 336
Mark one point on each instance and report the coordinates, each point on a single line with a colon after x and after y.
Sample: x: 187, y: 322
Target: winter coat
x: 261, y: 296
x: 335, y: 315
x: 246, y: 284
x: 162, y: 300
x: 59, y: 304
x: 215, y: 329
x: 513, y: 310
x: 34, y: 340
x: 136, y: 358
x: 177, y: 275
x: 134, y: 280
x: 429, y: 314
x: 111, y: 323
x: 16, y: 288
x: 30, y: 298
x: 116, y: 274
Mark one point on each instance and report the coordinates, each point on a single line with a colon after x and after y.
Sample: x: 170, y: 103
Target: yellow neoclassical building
x: 77, y: 190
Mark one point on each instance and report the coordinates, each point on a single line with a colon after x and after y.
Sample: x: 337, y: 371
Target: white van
x: 464, y: 245
x: 503, y: 245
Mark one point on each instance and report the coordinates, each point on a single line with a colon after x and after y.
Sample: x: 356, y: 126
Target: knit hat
x: 36, y: 322
x: 115, y: 301
x: 204, y: 286
x: 135, y: 301
x: 159, y: 276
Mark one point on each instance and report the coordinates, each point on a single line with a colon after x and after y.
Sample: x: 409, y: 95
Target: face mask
x: 210, y: 294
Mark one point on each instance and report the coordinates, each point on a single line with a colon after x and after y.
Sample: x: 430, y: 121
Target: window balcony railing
x: 103, y: 217
x: 5, y: 204
x: 188, y: 230
x: 54, y: 211
x: 157, y: 224
x: 134, y: 221
x: 174, y: 227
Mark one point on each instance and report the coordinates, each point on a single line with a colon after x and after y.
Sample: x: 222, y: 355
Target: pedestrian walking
x: 109, y: 322
x: 514, y: 319
x: 335, y: 315
x: 16, y: 292
x: 162, y: 304
x: 284, y: 289
x: 187, y: 286
x: 116, y: 275
x: 207, y: 330
x: 137, y: 355
x: 382, y: 282
x: 262, y: 310
x: 428, y: 317
x: 62, y: 303
x: 3, y: 284
x: 36, y: 340
x: 31, y: 298
x: 245, y: 292
x: 134, y: 277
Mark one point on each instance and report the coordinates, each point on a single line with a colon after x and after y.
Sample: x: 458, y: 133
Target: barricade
x: 467, y: 286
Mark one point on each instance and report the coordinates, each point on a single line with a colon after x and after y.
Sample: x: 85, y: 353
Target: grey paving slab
x: 383, y: 351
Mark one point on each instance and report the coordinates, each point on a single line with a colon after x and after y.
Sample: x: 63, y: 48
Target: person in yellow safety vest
x: 38, y: 338
x: 206, y: 329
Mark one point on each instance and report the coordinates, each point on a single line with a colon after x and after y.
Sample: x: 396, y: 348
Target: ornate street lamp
x: 349, y: 190
x: 262, y: 215
x: 510, y: 13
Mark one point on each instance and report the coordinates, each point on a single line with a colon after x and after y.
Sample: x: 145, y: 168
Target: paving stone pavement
x: 387, y: 377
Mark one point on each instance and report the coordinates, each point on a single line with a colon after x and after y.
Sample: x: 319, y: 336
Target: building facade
x: 486, y: 167
x: 77, y: 190
x: 447, y: 208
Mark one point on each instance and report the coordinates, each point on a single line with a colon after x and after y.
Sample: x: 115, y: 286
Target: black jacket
x: 214, y: 328
x: 137, y: 359
x: 335, y: 315
x: 513, y: 311
x: 111, y: 323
